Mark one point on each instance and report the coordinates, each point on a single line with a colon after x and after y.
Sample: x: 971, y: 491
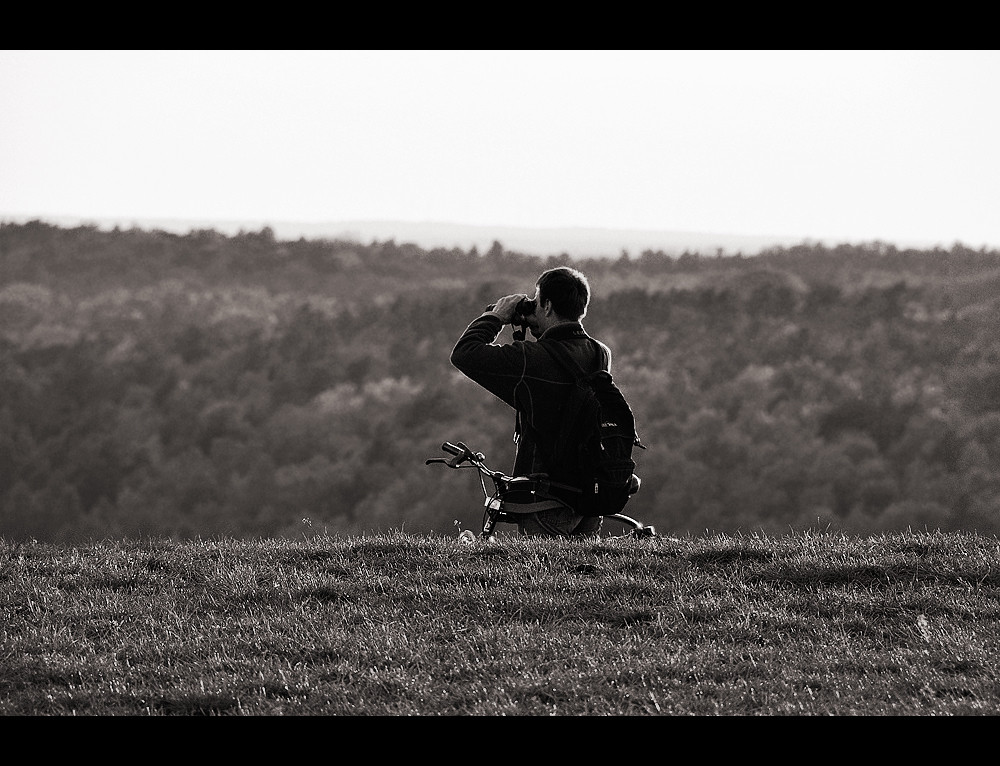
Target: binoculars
x: 524, y: 308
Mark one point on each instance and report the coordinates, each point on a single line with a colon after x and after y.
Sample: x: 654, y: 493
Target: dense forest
x: 156, y: 384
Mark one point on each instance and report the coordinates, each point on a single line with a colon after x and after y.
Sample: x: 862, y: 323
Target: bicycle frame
x: 505, y: 487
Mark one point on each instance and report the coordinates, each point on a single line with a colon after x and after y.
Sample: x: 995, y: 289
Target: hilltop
x: 811, y: 624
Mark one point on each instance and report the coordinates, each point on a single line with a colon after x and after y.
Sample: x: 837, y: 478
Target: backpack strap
x: 571, y: 409
x: 559, y: 353
x: 562, y: 357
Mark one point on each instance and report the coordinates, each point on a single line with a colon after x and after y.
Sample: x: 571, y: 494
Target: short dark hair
x: 568, y: 290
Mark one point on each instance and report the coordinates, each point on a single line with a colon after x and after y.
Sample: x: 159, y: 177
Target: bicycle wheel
x: 492, y: 516
x: 490, y: 519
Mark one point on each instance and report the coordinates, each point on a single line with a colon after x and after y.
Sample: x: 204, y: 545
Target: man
x: 525, y: 376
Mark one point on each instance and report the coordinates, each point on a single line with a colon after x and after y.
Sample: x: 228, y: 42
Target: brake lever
x: 466, y: 454
x: 457, y: 460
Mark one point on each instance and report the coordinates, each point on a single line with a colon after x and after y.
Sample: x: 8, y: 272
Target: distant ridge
x: 576, y: 242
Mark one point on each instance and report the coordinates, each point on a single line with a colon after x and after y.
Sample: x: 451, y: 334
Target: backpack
x: 593, y: 447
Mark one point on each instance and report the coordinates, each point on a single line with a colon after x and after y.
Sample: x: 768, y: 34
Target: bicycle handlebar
x: 461, y: 453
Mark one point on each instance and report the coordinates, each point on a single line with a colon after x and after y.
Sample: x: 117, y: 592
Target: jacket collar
x: 564, y: 331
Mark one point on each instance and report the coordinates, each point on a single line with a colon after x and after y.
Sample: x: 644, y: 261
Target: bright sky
x: 900, y: 146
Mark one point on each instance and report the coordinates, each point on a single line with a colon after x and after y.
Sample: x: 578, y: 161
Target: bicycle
x: 513, y: 495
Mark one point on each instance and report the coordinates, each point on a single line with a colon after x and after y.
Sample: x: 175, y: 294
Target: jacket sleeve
x: 497, y: 368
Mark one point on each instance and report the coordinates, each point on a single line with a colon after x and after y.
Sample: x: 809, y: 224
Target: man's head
x: 561, y: 295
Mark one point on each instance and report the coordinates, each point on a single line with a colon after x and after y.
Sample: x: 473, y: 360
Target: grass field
x: 806, y: 624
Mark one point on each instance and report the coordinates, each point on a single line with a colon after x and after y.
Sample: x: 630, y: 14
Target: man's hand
x: 504, y: 308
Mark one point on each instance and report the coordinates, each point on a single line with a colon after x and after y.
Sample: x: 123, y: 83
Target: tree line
x: 156, y: 384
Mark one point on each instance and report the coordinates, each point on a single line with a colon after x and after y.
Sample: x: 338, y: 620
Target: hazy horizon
x: 574, y: 241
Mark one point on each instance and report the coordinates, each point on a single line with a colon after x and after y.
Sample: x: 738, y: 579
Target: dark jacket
x: 525, y: 376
